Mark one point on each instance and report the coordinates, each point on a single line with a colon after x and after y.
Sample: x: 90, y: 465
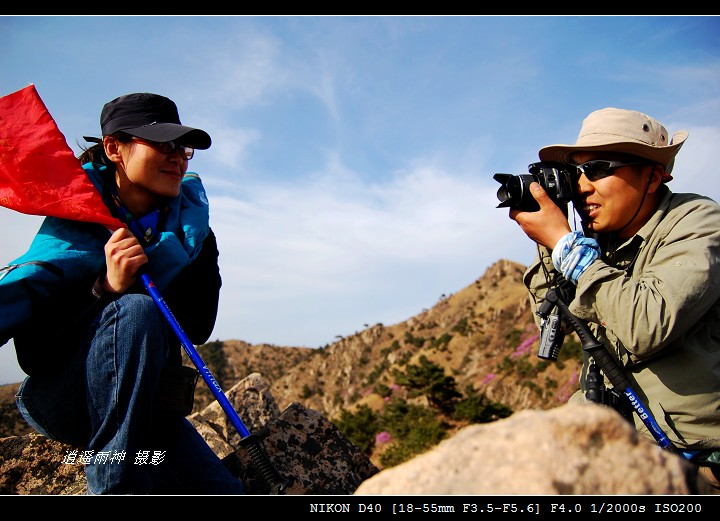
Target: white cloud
x: 231, y: 145
x: 696, y: 166
x: 348, y: 249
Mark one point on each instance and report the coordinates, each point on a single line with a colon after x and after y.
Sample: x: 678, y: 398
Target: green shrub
x: 428, y: 379
x: 462, y: 327
x: 306, y: 392
x: 383, y: 390
x: 414, y: 429
x: 478, y: 409
x: 513, y: 337
x: 413, y: 340
x: 441, y: 343
x: 359, y: 427
x: 571, y: 349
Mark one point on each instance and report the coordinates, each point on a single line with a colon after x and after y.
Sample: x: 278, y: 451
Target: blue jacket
x: 65, y: 252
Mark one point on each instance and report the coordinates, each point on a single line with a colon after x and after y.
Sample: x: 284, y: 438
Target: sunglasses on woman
x: 602, y: 168
x: 168, y: 147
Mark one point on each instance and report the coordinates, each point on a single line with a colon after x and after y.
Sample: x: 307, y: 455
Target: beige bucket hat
x: 621, y: 130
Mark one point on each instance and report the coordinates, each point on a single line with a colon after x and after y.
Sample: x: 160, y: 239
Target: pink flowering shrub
x: 382, y: 438
x: 563, y: 395
x: 489, y: 378
x: 524, y: 347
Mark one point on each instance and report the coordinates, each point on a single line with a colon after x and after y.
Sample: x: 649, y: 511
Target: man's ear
x: 657, y: 174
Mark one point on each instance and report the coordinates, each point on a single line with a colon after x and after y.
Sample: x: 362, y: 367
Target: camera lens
x: 514, y: 191
x: 555, y: 178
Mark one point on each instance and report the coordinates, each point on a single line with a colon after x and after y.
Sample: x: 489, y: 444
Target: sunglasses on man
x: 602, y: 168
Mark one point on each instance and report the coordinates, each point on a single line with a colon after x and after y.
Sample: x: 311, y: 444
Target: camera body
x: 555, y: 178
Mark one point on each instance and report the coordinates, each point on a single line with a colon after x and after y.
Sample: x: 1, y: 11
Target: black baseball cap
x: 152, y: 117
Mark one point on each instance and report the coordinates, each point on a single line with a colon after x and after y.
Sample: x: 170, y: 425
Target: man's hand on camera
x: 545, y: 226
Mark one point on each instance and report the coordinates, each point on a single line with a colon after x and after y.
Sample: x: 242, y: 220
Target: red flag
x: 39, y: 174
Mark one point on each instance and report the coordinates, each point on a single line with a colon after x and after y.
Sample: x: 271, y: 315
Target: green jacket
x: 656, y: 306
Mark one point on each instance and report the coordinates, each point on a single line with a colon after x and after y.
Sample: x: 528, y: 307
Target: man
x: 645, y: 270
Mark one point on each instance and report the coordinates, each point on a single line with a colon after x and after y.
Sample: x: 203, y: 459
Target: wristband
x: 573, y: 254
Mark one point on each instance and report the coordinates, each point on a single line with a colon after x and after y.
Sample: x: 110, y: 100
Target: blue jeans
x: 103, y: 401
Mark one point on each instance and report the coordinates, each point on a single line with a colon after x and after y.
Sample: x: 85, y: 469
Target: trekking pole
x: 248, y: 441
x: 611, y: 369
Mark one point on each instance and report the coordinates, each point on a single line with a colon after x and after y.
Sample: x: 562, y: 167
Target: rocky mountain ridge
x: 483, y: 336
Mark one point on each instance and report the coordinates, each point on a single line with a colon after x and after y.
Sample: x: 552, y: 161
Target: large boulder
x: 572, y: 449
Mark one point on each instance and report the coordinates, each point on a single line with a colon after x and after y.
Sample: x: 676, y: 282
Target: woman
x: 104, y: 365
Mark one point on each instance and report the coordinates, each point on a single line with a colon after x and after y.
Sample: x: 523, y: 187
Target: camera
x: 555, y: 178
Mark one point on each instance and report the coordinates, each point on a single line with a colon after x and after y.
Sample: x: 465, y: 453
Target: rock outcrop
x: 570, y: 450
x: 305, y: 448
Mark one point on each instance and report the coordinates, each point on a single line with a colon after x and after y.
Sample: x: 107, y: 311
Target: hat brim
x: 163, y: 132
x: 662, y: 155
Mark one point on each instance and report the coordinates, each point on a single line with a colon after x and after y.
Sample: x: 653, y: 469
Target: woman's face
x: 145, y: 175
x: 621, y: 202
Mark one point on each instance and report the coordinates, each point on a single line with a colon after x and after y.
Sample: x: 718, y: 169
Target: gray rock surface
x: 572, y: 449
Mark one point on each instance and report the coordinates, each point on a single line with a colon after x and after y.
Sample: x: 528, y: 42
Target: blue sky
x: 351, y: 173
